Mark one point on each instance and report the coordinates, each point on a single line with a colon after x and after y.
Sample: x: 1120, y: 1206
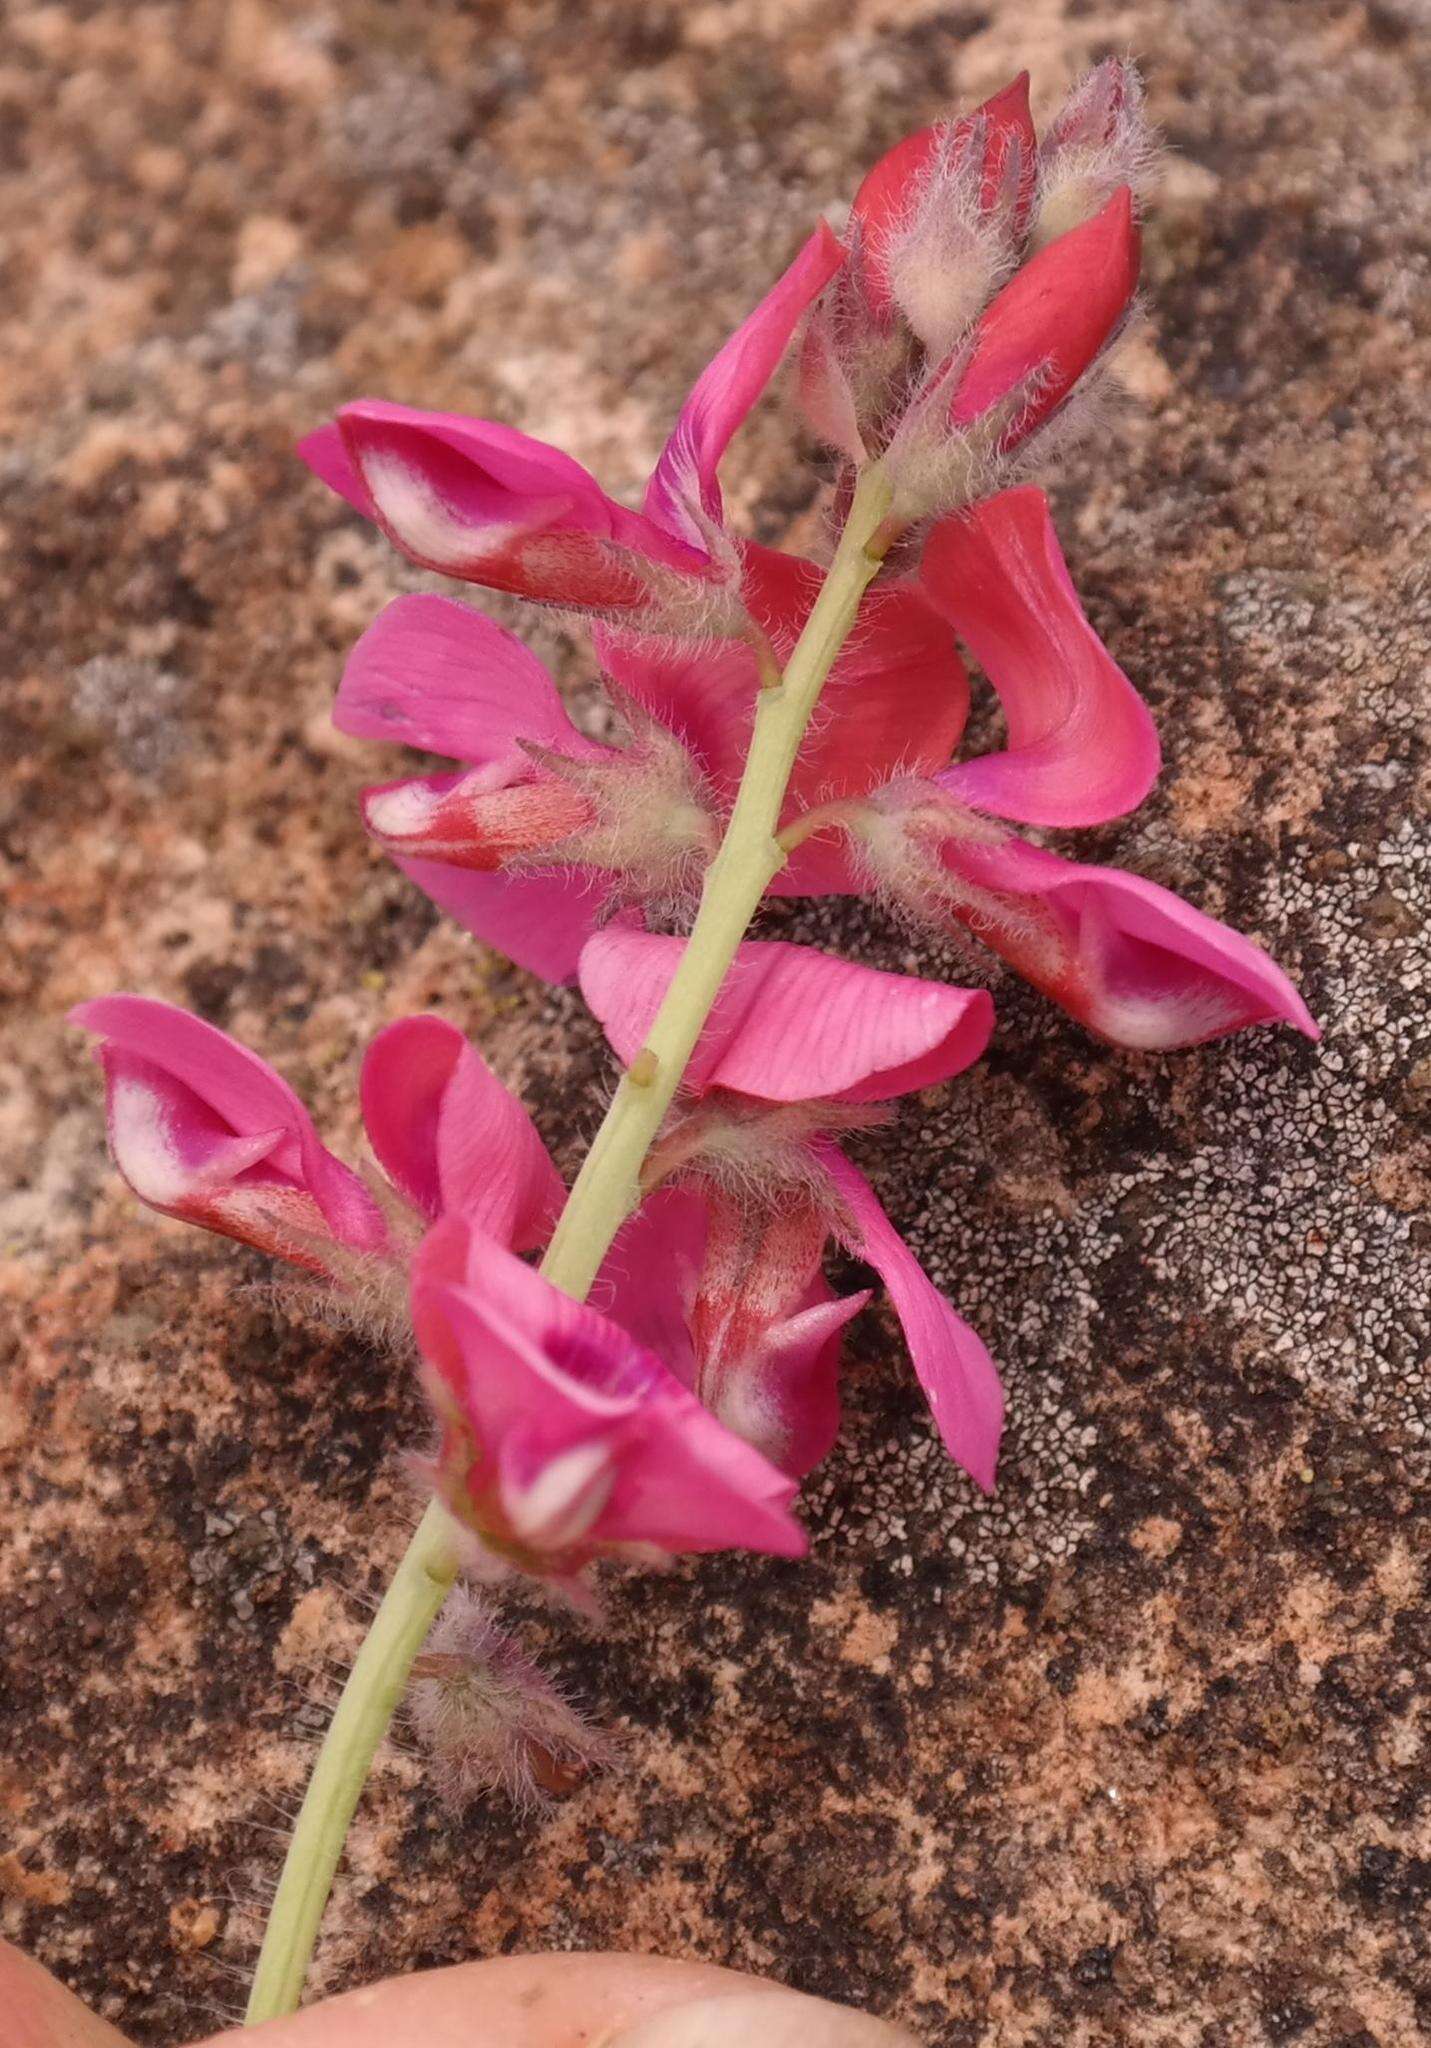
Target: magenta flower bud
x: 979, y: 168
x: 933, y: 229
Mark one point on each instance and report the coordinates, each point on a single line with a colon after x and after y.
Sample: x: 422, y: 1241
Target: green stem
x: 607, y: 1188
x: 608, y: 1185
x: 370, y: 1698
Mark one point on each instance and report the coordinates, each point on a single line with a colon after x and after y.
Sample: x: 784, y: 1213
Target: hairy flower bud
x: 491, y: 1720
x: 636, y: 814
x: 933, y: 229
x: 985, y: 278
x: 1100, y: 139
x: 1019, y: 365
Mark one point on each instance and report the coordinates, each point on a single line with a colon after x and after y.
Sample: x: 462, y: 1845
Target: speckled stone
x: 1133, y: 1756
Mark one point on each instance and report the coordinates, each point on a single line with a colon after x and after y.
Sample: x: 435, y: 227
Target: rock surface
x: 1135, y: 1754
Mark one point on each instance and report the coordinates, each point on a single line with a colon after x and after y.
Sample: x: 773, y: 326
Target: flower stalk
x: 608, y: 1185
x: 606, y: 1190
x: 364, y: 1713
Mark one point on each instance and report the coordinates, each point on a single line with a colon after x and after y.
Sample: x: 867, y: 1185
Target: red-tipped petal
x: 486, y: 503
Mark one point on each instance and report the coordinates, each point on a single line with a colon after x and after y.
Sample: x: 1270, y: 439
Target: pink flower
x: 1122, y: 955
x: 1127, y: 958
x: 564, y: 1439
x: 203, y: 1130
x: 546, y: 830
x: 723, y: 1267
x: 490, y: 505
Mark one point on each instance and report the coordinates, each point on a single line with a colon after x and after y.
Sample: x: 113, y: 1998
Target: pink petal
x: 1082, y: 748
x: 791, y: 1024
x: 1052, y: 319
x: 648, y: 1280
x: 325, y: 455
x: 483, y: 502
x: 953, y: 1367
x: 728, y: 387
x: 800, y: 1374
x: 767, y: 1328
x: 540, y: 921
x: 827, y: 397
x: 452, y: 1138
x: 1129, y: 959
x: 885, y: 203
x: 199, y: 1123
x: 895, y: 703
x: 433, y: 674
x: 553, y: 1397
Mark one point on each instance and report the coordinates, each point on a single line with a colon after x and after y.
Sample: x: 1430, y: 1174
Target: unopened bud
x: 960, y: 238
x: 463, y: 822
x: 1100, y: 139
x: 490, y: 1719
x: 636, y: 814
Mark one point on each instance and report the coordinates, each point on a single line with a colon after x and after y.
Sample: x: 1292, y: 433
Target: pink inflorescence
x: 957, y: 331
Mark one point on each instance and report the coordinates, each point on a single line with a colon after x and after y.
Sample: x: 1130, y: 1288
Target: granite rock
x: 1134, y: 1754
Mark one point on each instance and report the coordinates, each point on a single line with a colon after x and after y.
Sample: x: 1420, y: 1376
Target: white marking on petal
x: 565, y: 1498
x: 749, y: 1409
x: 141, y: 1136
x: 423, y: 521
x: 403, y: 811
